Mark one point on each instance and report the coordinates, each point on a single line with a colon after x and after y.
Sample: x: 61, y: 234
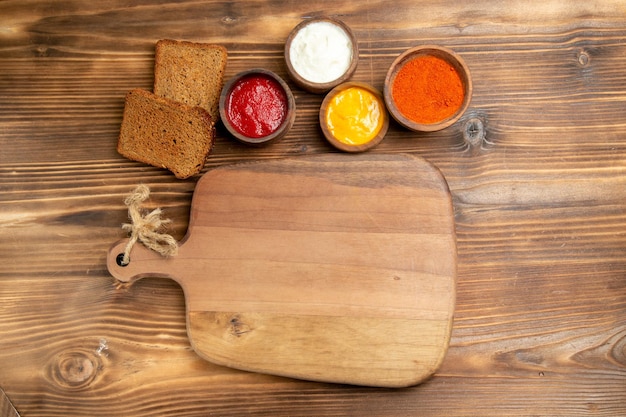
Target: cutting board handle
x: 143, y: 263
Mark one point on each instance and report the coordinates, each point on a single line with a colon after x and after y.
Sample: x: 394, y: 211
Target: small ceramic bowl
x: 346, y: 117
x: 321, y: 53
x: 257, y: 107
x: 453, y: 60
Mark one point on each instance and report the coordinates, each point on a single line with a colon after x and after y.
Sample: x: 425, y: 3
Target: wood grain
x: 304, y: 267
x: 536, y: 168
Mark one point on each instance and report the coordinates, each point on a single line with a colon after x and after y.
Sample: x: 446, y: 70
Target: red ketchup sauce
x: 256, y: 106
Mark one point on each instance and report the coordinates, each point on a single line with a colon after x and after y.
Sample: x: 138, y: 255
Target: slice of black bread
x: 165, y: 133
x: 190, y: 72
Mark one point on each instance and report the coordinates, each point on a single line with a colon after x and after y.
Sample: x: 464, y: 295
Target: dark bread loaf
x: 190, y: 72
x: 165, y: 133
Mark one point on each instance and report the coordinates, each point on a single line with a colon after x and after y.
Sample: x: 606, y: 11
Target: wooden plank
x: 538, y: 191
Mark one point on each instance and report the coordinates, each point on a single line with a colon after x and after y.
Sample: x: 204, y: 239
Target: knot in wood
x: 74, y: 370
x: 229, y: 20
x: 237, y: 327
x: 474, y: 131
x: 583, y: 58
x: 618, y: 352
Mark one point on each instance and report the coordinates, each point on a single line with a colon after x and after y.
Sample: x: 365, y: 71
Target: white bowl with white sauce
x: 321, y: 53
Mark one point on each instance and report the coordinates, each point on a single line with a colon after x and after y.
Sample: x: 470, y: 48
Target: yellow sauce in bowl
x: 355, y: 116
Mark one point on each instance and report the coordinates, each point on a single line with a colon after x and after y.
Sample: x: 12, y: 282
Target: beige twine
x: 146, y: 228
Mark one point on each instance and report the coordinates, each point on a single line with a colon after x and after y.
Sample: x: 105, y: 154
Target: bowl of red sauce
x: 257, y: 107
x: 427, y: 88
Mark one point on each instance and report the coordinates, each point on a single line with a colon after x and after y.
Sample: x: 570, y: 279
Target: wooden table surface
x: 536, y: 168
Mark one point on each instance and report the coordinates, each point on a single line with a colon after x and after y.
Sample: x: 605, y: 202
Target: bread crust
x: 190, y: 72
x: 165, y: 133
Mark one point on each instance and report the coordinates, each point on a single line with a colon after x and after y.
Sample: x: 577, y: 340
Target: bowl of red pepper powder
x: 427, y: 88
x: 257, y: 107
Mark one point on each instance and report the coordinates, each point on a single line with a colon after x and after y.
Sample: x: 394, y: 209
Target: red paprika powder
x: 427, y: 90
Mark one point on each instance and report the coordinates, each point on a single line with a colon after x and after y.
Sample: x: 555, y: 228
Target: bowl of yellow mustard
x: 353, y: 117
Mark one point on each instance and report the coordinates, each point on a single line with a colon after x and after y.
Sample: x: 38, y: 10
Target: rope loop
x: 146, y: 228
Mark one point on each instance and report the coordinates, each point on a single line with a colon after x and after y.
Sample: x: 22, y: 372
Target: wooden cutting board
x: 336, y: 268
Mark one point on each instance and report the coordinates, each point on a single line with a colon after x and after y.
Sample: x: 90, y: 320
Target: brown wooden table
x: 536, y: 167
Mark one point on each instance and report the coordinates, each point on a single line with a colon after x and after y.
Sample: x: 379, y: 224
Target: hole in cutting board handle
x: 120, y: 260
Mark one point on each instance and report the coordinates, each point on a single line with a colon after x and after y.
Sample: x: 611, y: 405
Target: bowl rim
x: 310, y: 86
x: 282, y: 129
x: 344, y: 146
x: 453, y: 59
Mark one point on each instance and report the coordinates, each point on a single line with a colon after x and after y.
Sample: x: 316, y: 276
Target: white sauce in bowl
x: 321, y: 52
